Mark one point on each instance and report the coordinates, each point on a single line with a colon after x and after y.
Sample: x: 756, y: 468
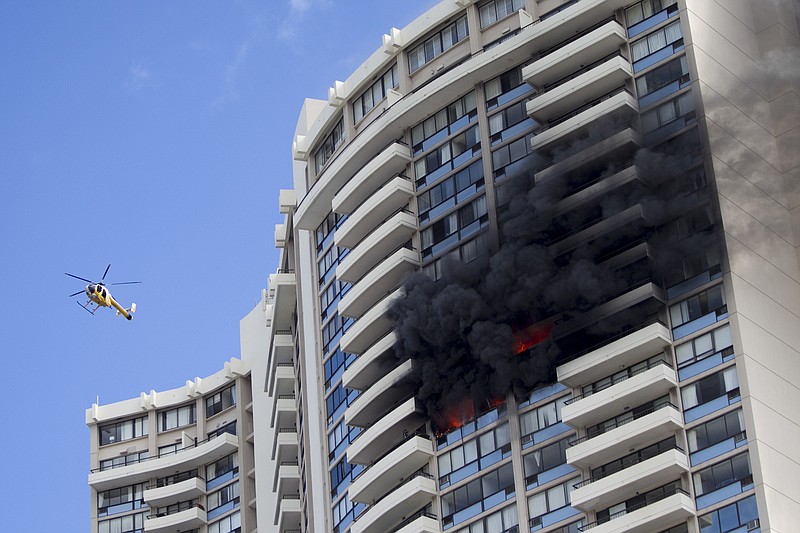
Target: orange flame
x: 531, y: 336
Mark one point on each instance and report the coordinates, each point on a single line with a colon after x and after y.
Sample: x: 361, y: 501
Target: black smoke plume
x: 462, y: 329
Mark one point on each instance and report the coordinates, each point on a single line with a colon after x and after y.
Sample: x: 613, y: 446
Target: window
x: 668, y: 112
x: 132, y: 523
x: 446, y: 157
x: 448, y: 120
x: 511, y: 157
x: 120, y: 500
x: 326, y: 229
x: 732, y: 517
x: 120, y: 431
x: 444, y: 232
x: 505, y: 88
x: 339, y: 437
x: 627, y: 416
x: 229, y: 524
x: 498, y: 9
x: 375, y: 93
x: 478, y: 493
x: 509, y: 122
x: 175, y: 418
x: 437, y: 44
x: 221, y: 401
x: 646, y: 9
x: 549, y: 500
x: 227, y: 465
x: 722, y: 474
x: 543, y: 416
x: 710, y: 388
x: 705, y: 345
x: 460, y: 462
x: 711, y: 300
x: 223, y: 500
x: 544, y: 459
x: 124, y: 460
x: 656, y: 41
x: 227, y: 428
x: 715, y: 431
x: 675, y: 70
x: 501, y: 521
x: 331, y: 143
x: 342, y: 474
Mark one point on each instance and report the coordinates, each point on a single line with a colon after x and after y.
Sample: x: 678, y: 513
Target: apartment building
x: 539, y: 272
x: 176, y: 461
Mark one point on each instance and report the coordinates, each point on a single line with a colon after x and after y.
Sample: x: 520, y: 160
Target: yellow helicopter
x: 100, y: 296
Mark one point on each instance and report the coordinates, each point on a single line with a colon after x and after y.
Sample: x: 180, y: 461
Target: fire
x: 456, y: 415
x: 531, y: 336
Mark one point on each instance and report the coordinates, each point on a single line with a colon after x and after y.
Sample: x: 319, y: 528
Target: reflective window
x: 549, y: 500
x: 715, y: 431
x: 220, y: 401
x: 175, y: 418
x: 646, y: 9
x: 132, y: 523
x: 722, y: 474
x: 656, y: 41
x: 120, y: 431
x: 731, y: 517
x: 120, y: 500
x: 438, y: 44
x: 710, y: 388
x: 376, y: 93
x: 230, y: 524
x: 497, y: 9
x: 331, y: 143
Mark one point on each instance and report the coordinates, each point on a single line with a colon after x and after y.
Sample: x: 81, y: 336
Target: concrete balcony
x: 597, y: 228
x: 600, y: 42
x: 284, y: 411
x: 186, y: 490
x: 381, y: 280
x: 624, y: 484
x: 282, y: 349
x: 282, y: 379
x: 421, y: 524
x: 622, y: 353
x: 585, y: 86
x: 389, y: 162
x: 386, y: 392
x: 616, y: 107
x: 372, y: 364
x: 176, y: 522
x: 657, y: 425
x: 391, y: 510
x: 656, y: 516
x: 372, y: 325
x: 282, y: 295
x: 186, y: 459
x: 391, y: 197
x: 287, y: 478
x: 284, y: 447
x: 287, y: 512
x: 376, y: 481
x: 373, y: 442
x: 617, y: 146
x: 601, y: 187
x: 376, y: 246
x: 648, y: 385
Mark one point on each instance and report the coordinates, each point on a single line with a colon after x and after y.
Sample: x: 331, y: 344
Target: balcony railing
x: 664, y: 495
x: 635, y: 459
x: 621, y: 423
x: 619, y: 380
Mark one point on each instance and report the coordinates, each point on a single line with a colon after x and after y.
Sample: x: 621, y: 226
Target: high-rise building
x: 538, y: 272
x: 176, y: 461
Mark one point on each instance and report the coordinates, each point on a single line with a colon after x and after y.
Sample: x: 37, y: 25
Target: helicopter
x: 100, y: 296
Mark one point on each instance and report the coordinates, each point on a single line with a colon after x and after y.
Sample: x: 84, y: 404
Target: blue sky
x: 154, y: 136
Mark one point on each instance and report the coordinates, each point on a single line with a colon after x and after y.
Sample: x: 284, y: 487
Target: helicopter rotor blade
x: 106, y: 272
x: 76, y: 293
x: 125, y: 283
x: 78, y: 277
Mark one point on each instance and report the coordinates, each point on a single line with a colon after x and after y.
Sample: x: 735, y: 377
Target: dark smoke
x: 462, y: 329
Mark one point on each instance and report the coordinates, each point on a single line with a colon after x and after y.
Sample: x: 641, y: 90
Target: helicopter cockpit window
x: 104, y: 293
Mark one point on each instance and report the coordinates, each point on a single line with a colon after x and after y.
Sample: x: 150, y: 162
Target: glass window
x: 120, y: 431
x: 175, y: 418
x: 549, y: 500
x: 495, y: 10
x: 438, y: 43
x: 133, y: 523
x: 230, y: 524
x: 220, y: 401
x: 646, y: 9
x: 374, y: 94
x: 722, y: 474
x: 661, y: 76
x: 333, y: 141
x: 228, y: 464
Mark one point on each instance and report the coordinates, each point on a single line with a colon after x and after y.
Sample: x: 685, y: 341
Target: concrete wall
x: 747, y: 59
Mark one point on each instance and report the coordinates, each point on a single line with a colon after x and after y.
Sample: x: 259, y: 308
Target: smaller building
x: 176, y: 460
